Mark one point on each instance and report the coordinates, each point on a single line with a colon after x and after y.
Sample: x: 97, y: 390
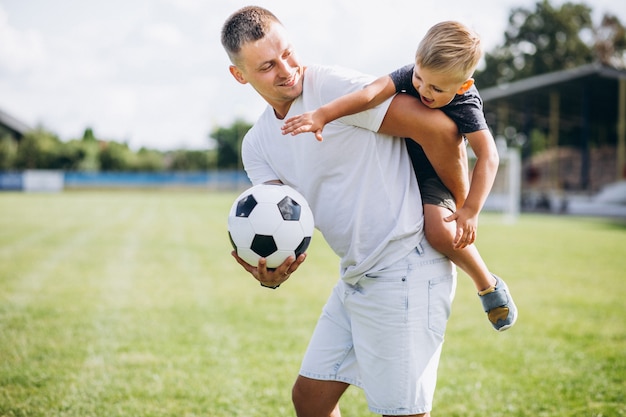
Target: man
x: 382, y: 326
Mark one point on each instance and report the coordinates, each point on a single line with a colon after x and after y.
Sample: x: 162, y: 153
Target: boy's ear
x: 236, y: 72
x: 465, y: 86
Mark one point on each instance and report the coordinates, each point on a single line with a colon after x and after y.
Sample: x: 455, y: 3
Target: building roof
x: 13, y: 125
x: 583, y: 73
x: 588, y: 95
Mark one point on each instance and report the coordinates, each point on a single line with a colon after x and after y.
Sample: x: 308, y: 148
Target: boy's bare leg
x: 493, y: 292
x: 440, y: 234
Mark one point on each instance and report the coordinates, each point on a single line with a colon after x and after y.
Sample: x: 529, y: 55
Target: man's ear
x: 237, y: 74
x: 465, y: 86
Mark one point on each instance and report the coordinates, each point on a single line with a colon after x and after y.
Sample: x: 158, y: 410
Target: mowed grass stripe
x: 67, y: 249
x: 129, y: 304
x: 50, y: 294
x: 114, y: 294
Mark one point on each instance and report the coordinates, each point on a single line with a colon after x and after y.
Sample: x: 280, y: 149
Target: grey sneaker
x: 499, y: 305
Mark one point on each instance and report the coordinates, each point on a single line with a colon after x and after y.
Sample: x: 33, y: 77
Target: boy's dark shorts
x: 431, y: 187
x: 434, y: 192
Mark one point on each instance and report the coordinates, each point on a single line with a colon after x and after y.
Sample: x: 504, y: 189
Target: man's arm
x: 438, y: 135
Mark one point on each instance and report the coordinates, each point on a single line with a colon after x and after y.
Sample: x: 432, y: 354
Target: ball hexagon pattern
x: 272, y: 221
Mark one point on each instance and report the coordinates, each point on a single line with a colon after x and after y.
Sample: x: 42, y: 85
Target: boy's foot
x: 499, y: 305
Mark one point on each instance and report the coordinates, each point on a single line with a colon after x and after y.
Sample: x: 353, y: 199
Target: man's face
x: 271, y: 67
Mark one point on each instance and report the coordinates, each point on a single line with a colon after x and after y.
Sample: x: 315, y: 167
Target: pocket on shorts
x: 440, y: 294
x: 388, y: 294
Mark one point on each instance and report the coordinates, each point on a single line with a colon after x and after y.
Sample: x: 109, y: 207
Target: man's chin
x: 294, y: 88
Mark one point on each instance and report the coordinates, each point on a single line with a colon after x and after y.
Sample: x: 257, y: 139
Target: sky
x: 152, y: 73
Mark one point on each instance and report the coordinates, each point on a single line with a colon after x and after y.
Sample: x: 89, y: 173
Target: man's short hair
x: 247, y: 24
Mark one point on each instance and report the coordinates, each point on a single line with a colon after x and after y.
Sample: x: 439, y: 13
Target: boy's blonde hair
x: 452, y: 48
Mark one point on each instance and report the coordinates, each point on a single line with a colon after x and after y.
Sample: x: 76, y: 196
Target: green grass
x: 129, y: 304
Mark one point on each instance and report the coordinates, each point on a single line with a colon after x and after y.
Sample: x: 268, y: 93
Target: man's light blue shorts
x: 385, y: 333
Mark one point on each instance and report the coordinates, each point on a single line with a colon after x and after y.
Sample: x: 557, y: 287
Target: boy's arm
x: 483, y: 176
x: 368, y: 97
x: 485, y: 169
x: 438, y: 135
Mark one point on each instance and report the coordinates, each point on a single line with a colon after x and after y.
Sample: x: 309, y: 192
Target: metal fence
x: 52, y: 181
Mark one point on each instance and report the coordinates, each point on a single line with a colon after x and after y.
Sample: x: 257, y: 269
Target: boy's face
x: 271, y: 67
x: 437, y: 89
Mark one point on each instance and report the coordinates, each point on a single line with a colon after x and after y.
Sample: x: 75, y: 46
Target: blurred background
x: 137, y: 93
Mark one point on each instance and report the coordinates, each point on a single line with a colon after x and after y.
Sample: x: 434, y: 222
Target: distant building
x: 9, y: 125
x: 582, y: 113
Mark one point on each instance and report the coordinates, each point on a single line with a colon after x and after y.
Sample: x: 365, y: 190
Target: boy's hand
x: 306, y: 122
x: 466, y: 227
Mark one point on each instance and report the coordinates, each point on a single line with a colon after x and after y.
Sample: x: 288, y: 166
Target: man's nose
x: 284, y: 68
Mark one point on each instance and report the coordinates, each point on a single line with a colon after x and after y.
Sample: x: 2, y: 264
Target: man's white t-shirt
x: 360, y: 184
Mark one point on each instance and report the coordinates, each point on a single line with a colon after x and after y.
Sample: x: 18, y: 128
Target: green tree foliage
x: 549, y: 39
x: 8, y: 152
x: 610, y: 42
x: 42, y: 149
x: 88, y: 135
x: 39, y: 149
x: 229, y: 144
x: 149, y: 160
x: 189, y: 160
x: 115, y: 156
x: 70, y: 155
x: 83, y: 153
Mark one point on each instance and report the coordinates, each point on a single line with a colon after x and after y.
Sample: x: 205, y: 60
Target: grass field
x: 129, y: 304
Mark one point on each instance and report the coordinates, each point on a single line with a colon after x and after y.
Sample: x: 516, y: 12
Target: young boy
x: 441, y: 78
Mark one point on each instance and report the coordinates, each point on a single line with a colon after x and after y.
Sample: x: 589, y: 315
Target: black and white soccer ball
x: 272, y: 221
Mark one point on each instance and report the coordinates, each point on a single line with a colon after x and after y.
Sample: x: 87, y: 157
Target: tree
x: 8, y: 152
x: 542, y: 40
x: 115, y: 156
x: 229, y: 144
x: 149, y: 160
x: 42, y: 149
x: 90, y: 160
x: 71, y: 155
x: 38, y: 149
x: 610, y: 42
x: 192, y: 160
x: 88, y: 135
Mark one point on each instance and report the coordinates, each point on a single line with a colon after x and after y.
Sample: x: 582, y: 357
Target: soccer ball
x: 272, y: 221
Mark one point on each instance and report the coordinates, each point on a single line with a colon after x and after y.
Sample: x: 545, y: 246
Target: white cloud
x: 163, y: 33
x: 19, y: 51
